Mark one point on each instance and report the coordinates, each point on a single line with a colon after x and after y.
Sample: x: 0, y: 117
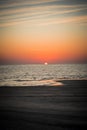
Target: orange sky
x: 43, y: 33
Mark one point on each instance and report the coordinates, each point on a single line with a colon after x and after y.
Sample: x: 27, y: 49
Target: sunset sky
x: 38, y: 31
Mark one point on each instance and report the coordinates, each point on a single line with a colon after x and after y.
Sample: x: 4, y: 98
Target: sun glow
x: 46, y: 63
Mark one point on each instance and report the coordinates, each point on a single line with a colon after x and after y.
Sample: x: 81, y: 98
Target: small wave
x: 40, y: 82
x: 24, y: 82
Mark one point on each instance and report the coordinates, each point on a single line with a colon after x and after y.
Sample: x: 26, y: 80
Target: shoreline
x: 49, y: 83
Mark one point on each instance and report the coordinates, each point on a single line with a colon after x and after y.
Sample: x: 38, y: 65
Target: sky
x: 39, y: 31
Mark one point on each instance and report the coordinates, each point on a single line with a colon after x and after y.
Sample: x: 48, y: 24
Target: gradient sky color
x: 38, y: 31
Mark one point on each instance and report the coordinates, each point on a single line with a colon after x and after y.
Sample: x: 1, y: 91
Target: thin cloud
x: 31, y: 14
x: 10, y: 11
x: 35, y: 16
x: 42, y: 22
x: 26, y: 2
x: 80, y: 19
x: 31, y: 11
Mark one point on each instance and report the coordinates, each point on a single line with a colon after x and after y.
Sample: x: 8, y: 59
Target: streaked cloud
x: 40, y: 12
x: 42, y: 22
x: 68, y: 20
x: 20, y: 3
x: 51, y: 8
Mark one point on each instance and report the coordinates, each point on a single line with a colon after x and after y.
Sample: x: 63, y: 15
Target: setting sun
x: 46, y: 63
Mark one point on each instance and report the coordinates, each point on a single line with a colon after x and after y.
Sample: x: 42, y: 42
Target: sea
x: 40, y: 74
x: 47, y: 97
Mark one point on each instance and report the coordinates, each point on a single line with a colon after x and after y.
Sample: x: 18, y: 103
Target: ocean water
x: 49, y: 107
x: 38, y: 74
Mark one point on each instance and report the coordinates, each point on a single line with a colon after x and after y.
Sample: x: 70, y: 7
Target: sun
x: 46, y: 63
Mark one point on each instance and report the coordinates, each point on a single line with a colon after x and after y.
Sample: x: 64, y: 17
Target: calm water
x: 33, y: 75
x: 54, y: 108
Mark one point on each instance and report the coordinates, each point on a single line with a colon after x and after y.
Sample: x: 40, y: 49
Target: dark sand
x: 44, y: 107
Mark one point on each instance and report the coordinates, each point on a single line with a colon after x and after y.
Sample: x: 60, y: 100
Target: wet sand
x: 44, y: 107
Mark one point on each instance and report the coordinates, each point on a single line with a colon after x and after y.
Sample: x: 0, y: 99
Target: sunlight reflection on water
x: 34, y: 75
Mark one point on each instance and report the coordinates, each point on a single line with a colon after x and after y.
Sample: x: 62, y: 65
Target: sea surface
x: 38, y: 74
x: 47, y: 97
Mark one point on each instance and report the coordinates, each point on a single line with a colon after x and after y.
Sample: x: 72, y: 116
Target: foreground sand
x: 44, y: 107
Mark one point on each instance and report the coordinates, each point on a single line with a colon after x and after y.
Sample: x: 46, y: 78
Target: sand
x: 44, y: 107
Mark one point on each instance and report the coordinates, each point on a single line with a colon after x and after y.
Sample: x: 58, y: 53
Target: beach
x: 62, y: 107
